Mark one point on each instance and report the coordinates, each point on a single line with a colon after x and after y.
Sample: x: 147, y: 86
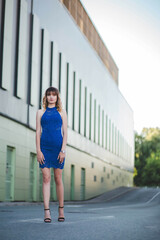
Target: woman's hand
x: 40, y: 157
x: 61, y: 157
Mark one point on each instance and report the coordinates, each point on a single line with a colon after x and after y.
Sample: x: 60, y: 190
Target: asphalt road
x: 122, y: 214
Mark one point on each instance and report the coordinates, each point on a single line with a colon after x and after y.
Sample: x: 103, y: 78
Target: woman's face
x: 51, y: 98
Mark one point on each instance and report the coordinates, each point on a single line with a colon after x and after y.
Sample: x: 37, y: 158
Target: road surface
x: 122, y: 214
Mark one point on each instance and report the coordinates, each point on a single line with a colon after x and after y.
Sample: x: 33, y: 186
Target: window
x: 106, y: 132
x: 41, y: 73
x: 94, y: 120
x: 99, y: 111
x: 102, y: 128
x: 74, y: 83
x: 113, y: 137
x: 67, y: 87
x: 80, y: 86
x: 51, y: 65
x: 90, y: 116
x: 85, y: 111
x: 118, y: 143
x: 115, y: 142
x: 60, y: 66
x: 109, y: 134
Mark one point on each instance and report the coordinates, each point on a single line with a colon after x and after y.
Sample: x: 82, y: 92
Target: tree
x: 147, y: 157
x: 151, y: 173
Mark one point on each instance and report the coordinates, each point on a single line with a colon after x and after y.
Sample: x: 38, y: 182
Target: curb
x: 74, y: 202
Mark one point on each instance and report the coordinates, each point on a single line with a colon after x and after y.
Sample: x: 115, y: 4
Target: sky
x: 131, y: 31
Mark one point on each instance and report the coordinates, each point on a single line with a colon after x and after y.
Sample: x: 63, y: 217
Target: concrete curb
x: 97, y: 199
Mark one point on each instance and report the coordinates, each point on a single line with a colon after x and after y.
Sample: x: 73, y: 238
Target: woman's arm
x: 40, y: 157
x: 38, y: 131
x: 64, y: 129
x: 61, y: 155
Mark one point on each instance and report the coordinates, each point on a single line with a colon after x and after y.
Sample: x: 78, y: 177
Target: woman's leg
x: 46, y: 189
x: 59, y: 189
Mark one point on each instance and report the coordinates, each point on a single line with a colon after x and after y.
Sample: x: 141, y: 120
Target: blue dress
x: 51, y: 138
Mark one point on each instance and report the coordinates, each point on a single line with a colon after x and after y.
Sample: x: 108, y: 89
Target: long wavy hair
x: 55, y: 91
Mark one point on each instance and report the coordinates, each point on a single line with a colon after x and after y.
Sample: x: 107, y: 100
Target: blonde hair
x: 58, y: 102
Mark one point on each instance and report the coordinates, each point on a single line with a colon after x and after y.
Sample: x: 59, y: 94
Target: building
x: 54, y: 43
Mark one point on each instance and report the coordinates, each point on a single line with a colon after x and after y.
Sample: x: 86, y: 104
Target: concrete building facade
x: 41, y: 45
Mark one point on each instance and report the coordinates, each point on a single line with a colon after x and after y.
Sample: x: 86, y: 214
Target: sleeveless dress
x: 51, y: 138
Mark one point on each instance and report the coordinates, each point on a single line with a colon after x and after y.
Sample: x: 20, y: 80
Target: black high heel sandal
x: 47, y: 220
x: 61, y: 219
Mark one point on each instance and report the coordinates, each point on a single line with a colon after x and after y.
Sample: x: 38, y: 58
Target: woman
x: 51, y: 147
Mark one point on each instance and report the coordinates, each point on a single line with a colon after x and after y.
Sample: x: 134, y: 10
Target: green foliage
x: 147, y: 157
x: 151, y: 174
x: 135, y: 172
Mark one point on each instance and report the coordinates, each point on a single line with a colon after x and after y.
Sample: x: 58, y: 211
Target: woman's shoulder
x: 40, y: 111
x: 63, y: 112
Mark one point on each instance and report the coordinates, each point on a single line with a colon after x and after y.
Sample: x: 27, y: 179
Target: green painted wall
x: 27, y: 175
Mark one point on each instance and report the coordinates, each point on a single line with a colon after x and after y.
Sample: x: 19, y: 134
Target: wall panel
x: 70, y: 95
x: 106, y: 131
x: 76, y: 116
x: 7, y: 46
x: 63, y: 80
x: 92, y: 119
x: 22, y: 47
x: 87, y: 112
x: 82, y: 107
x: 103, y: 129
x: 55, y: 66
x: 97, y: 134
x: 35, y: 62
x: 45, y: 62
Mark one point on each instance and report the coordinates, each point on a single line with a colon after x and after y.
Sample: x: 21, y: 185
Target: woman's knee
x: 46, y: 178
x: 46, y: 175
x: 58, y: 179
